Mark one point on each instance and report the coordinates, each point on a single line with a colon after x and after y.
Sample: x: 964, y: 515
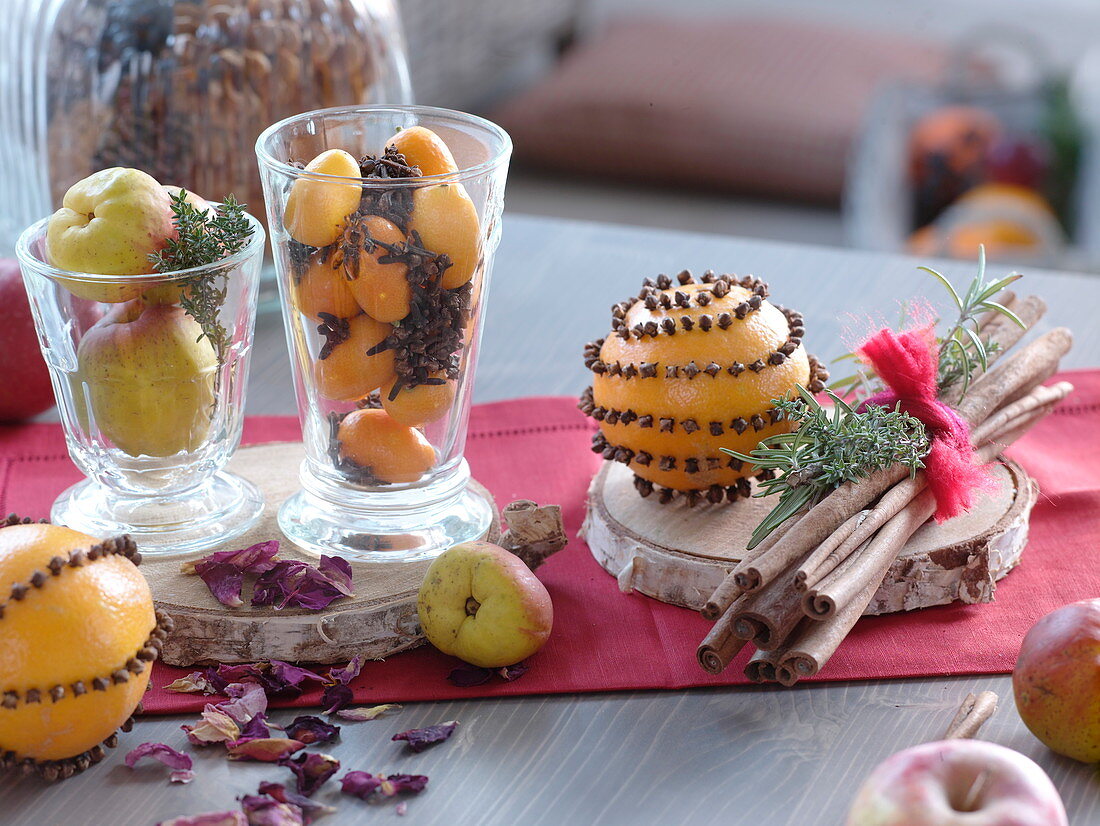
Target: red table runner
x: 604, y: 640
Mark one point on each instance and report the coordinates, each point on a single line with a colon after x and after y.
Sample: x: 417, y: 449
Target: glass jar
x: 383, y: 271
x: 177, y: 88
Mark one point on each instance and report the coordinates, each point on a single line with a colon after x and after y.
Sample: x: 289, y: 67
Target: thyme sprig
x: 962, y: 350
x: 827, y: 448
x: 204, y: 237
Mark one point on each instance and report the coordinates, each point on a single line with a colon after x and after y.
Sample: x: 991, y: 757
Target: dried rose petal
x: 265, y: 749
x: 178, y: 761
x: 311, y: 730
x: 223, y: 572
x: 292, y: 674
x: 401, y: 808
x: 246, y: 701
x: 295, y: 584
x: 513, y: 672
x: 364, y: 784
x: 216, y: 727
x: 254, y: 729
x: 467, y: 675
x: 420, y: 738
x: 194, y: 683
x: 398, y: 783
x: 364, y: 713
x: 266, y: 811
x: 312, y: 770
x: 208, y: 819
x: 311, y: 809
x: 360, y: 784
x: 336, y: 697
x: 346, y: 674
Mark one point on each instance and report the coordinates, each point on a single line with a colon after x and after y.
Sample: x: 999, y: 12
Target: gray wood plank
x: 756, y: 755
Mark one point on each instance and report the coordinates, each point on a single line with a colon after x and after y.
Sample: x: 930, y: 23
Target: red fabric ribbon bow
x: 908, y: 363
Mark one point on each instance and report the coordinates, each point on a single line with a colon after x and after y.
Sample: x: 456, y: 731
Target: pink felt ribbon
x: 908, y: 363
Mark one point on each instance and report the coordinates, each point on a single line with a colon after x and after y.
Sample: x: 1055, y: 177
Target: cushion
x: 757, y: 106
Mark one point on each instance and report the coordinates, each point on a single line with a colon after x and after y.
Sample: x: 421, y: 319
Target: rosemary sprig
x: 828, y: 448
x: 204, y: 237
x: 962, y: 350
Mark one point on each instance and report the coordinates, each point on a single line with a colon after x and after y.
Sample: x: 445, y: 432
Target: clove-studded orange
x: 78, y: 634
x: 689, y: 368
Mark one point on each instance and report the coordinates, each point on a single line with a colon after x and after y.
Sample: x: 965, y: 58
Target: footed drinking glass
x: 151, y: 401
x: 383, y: 273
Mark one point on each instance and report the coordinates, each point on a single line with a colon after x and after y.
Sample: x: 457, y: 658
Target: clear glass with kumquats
x: 384, y: 221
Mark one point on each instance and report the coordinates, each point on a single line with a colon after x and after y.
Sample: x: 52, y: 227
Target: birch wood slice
x: 680, y: 555
x: 378, y: 621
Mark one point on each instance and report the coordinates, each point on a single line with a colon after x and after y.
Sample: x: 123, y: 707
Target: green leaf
x: 946, y: 284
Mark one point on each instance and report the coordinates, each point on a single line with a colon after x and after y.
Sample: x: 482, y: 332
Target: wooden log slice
x: 679, y: 554
x: 378, y: 621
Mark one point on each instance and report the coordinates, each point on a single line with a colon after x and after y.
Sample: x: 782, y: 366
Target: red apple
x: 1057, y: 680
x: 957, y: 783
x: 25, y: 388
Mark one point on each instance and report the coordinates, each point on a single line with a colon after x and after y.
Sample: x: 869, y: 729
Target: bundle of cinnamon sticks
x: 800, y: 591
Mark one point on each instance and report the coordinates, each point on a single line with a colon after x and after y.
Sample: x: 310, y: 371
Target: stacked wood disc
x: 692, y: 367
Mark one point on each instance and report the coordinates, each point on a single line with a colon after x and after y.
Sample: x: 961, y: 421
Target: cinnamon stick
x: 972, y: 714
x: 1016, y: 376
x: 1041, y: 398
x: 721, y: 645
x: 766, y: 617
x: 761, y: 668
x: 730, y: 588
x: 811, y: 564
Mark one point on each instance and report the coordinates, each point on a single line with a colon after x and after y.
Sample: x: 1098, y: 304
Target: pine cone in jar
x: 689, y: 368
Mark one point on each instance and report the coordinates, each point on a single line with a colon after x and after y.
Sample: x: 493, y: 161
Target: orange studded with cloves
x: 691, y: 367
x: 78, y: 634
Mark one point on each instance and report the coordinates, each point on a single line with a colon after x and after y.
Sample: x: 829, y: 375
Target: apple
x: 109, y: 224
x: 957, y: 783
x: 1057, y: 680
x: 483, y: 605
x: 25, y: 390
x: 148, y: 374
x: 168, y: 292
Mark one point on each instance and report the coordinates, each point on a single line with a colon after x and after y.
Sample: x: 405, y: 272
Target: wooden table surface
x: 753, y: 755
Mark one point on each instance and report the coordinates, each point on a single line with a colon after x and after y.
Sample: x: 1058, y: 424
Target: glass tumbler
x: 384, y: 258
x: 151, y: 400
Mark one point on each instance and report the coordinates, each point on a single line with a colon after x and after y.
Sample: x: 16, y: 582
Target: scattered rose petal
x: 215, y: 727
x: 364, y: 784
x: 336, y: 697
x: 312, y: 770
x: 420, y: 738
x: 265, y: 749
x: 179, y: 762
x: 513, y: 672
x: 246, y: 701
x: 193, y: 683
x: 223, y: 572
x: 398, y: 783
x: 346, y: 674
x: 360, y: 784
x: 401, y: 808
x: 364, y: 713
x: 208, y: 819
x: 311, y: 809
x: 311, y: 730
x: 295, y: 584
x: 294, y: 675
x: 467, y: 675
x: 254, y: 729
x: 266, y: 811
